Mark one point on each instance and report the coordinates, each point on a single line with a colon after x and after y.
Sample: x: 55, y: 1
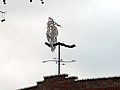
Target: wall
x: 63, y: 82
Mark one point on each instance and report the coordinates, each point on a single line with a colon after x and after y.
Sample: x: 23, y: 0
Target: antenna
x: 40, y: 0
x: 3, y: 16
x: 4, y: 1
x: 59, y: 60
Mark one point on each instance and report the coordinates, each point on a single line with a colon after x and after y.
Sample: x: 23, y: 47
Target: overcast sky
x: 93, y: 25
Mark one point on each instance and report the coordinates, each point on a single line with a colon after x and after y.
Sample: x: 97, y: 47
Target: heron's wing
x: 54, y: 31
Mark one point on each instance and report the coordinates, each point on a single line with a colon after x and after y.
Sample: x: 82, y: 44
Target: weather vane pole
x: 52, y: 33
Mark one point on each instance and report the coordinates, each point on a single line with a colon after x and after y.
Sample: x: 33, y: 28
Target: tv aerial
x: 3, y: 16
x: 40, y: 0
x: 4, y: 1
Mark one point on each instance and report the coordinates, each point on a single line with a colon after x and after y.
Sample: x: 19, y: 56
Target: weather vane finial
x: 52, y: 32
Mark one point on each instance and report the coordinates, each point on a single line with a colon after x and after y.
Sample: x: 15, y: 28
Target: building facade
x: 63, y: 82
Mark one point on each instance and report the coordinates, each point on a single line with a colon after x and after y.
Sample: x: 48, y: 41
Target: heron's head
x: 50, y: 19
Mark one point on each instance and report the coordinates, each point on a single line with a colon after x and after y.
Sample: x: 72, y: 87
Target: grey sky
x: 93, y: 25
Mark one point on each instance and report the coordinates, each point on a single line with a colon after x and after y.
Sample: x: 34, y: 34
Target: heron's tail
x: 52, y: 47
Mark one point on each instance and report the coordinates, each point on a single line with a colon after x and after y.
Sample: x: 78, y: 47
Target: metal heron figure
x: 52, y: 32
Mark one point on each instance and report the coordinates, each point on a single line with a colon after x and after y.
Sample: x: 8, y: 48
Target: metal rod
x: 58, y: 59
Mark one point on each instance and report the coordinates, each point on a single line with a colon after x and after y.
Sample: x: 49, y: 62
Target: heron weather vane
x: 52, y: 33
